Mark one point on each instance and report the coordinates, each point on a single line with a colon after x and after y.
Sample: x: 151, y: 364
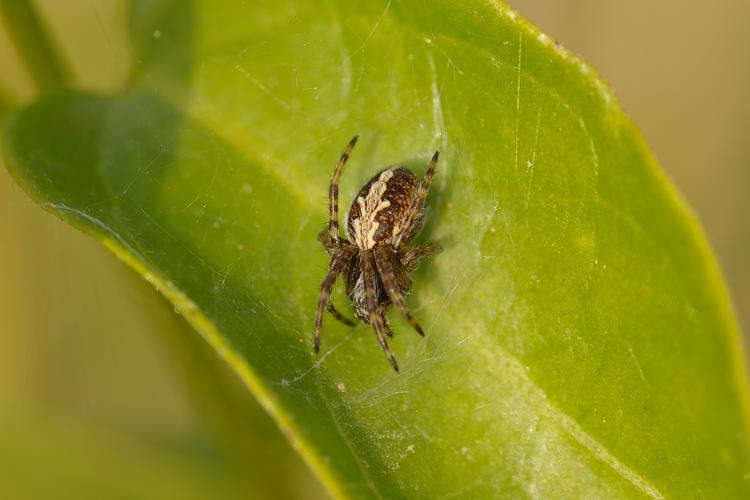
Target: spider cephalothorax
x: 385, y: 216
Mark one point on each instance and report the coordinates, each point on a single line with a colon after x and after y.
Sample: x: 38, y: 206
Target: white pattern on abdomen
x: 365, y: 225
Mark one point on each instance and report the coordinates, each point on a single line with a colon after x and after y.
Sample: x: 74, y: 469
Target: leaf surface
x: 579, y: 337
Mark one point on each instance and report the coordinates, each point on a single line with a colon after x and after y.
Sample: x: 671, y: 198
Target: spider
x: 384, y: 218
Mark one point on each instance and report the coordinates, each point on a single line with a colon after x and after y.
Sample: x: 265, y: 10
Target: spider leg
x: 385, y: 268
x: 411, y: 257
x: 412, y: 215
x: 324, y: 237
x: 338, y: 261
x: 338, y: 315
x: 333, y: 192
x: 386, y: 325
x: 368, y: 275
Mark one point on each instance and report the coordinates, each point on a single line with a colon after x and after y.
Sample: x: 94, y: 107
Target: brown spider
x: 384, y: 218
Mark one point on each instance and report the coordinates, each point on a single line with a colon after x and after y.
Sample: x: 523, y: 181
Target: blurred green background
x: 74, y: 323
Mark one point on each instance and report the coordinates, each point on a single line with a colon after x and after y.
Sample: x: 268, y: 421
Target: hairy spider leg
x: 386, y: 325
x: 331, y: 246
x: 387, y: 276
x: 368, y: 276
x: 333, y: 191
x: 415, y: 207
x: 411, y: 257
x: 336, y: 314
x: 338, y: 261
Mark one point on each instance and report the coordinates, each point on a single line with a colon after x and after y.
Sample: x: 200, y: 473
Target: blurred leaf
x: 54, y: 458
x: 6, y: 104
x: 30, y: 37
x: 262, y: 462
x: 580, y: 340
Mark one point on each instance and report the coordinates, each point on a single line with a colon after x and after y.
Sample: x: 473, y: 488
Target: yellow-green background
x: 72, y: 326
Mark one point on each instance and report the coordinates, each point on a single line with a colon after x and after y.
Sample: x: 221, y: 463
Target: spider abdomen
x: 377, y: 213
x: 355, y: 288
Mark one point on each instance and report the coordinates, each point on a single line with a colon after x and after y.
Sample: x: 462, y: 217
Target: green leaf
x: 579, y: 339
x: 256, y: 451
x: 29, y: 36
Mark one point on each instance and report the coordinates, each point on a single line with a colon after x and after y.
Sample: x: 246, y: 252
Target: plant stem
x: 34, y: 45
